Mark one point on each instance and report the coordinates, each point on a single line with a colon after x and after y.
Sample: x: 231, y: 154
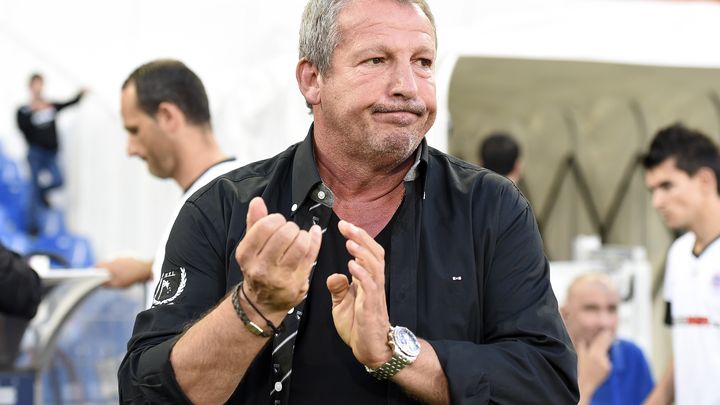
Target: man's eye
x: 375, y: 61
x: 426, y: 62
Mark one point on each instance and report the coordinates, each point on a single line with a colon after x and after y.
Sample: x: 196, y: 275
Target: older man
x: 610, y: 371
x: 360, y: 266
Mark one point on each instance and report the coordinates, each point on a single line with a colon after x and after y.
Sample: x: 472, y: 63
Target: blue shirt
x: 630, y: 381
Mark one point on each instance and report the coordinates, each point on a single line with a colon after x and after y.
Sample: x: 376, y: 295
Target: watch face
x: 406, y: 341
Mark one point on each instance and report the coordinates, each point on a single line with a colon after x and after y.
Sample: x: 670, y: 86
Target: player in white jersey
x: 166, y: 113
x: 682, y: 172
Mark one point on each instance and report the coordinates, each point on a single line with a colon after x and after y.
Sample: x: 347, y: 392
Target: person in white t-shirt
x: 166, y: 113
x: 682, y: 171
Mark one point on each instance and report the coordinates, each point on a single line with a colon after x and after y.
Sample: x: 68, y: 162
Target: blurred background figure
x: 20, y: 289
x: 682, y: 168
x: 500, y: 153
x: 36, y: 120
x: 611, y: 371
x: 166, y: 113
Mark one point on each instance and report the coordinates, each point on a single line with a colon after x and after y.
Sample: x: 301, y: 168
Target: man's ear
x: 708, y: 179
x: 308, y: 78
x: 169, y: 117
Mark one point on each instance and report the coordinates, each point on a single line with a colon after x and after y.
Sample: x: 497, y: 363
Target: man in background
x: 36, y: 121
x: 166, y: 113
x: 682, y: 168
x: 500, y: 153
x: 611, y: 371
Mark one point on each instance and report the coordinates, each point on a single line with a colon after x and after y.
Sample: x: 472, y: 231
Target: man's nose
x: 132, y: 147
x: 403, y: 80
x: 657, y: 199
x: 607, y: 319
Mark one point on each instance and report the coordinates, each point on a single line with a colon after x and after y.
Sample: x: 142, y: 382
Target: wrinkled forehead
x: 374, y: 15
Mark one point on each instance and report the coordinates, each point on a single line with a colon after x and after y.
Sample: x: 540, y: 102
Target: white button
x: 293, y: 208
x: 321, y: 195
x: 291, y: 311
x: 278, y: 386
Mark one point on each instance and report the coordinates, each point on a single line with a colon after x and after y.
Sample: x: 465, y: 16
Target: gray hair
x: 319, y: 34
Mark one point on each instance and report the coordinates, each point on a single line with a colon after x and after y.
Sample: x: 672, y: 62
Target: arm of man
x: 593, y: 364
x: 276, y: 258
x: 126, y: 271
x: 664, y: 391
x: 72, y: 101
x: 524, y: 354
x: 208, y: 360
x: 19, y: 286
x: 361, y: 319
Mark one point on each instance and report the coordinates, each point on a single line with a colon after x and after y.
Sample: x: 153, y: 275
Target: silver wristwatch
x: 406, y: 349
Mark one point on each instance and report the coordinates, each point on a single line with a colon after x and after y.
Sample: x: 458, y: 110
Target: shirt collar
x: 305, y: 176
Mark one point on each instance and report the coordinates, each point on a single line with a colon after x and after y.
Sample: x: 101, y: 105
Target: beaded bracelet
x: 250, y: 325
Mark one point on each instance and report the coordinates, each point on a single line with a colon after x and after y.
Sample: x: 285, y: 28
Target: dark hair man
x: 500, y: 153
x: 682, y: 168
x: 166, y: 113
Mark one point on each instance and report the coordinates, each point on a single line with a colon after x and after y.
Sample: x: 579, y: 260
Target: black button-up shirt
x: 466, y: 269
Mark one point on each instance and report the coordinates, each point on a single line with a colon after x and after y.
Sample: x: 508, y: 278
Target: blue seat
x: 65, y: 250
x: 51, y: 222
x: 11, y: 236
x: 14, y: 193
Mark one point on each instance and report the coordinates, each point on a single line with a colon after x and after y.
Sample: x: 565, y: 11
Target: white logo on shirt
x: 170, y: 286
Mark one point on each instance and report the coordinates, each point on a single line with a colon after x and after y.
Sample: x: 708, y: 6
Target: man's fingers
x: 279, y: 242
x: 362, y: 277
x: 256, y: 237
x: 362, y: 238
x: 256, y: 210
x: 338, y: 286
x: 367, y: 252
x: 312, y: 252
x: 603, y: 341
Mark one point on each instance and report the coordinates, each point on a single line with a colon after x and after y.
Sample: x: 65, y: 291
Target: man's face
x: 378, y: 97
x: 591, y: 307
x: 36, y: 87
x: 676, y: 195
x: 146, y: 139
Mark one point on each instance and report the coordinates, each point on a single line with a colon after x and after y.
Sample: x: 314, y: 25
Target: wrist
x: 587, y: 390
x: 377, y: 361
x: 253, y: 319
x: 405, y: 349
x: 263, y: 302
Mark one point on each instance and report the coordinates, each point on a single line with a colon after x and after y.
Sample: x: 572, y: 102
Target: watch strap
x: 397, y: 362
x: 389, y: 369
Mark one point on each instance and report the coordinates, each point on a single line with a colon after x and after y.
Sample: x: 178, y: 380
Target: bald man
x: 610, y: 370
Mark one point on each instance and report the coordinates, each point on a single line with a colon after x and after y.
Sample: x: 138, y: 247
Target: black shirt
x: 466, y: 272
x: 38, y: 126
x: 20, y: 289
x: 324, y: 368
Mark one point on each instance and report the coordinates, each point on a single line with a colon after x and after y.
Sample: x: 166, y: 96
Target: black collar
x: 305, y: 176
